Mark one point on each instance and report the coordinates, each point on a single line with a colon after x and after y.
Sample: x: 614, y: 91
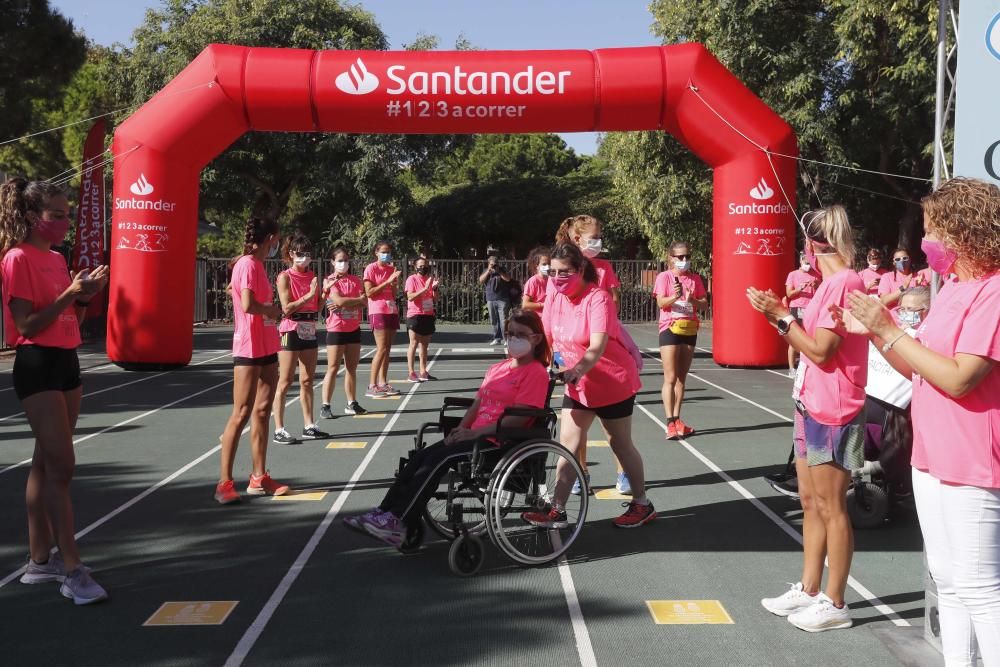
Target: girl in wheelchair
x: 521, y: 380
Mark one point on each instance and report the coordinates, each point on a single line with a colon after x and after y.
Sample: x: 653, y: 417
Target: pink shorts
x: 384, y: 321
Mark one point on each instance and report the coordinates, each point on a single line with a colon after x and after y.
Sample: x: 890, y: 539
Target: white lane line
x: 778, y: 373
x: 126, y: 384
x: 253, y: 632
x: 858, y: 587
x: 584, y: 647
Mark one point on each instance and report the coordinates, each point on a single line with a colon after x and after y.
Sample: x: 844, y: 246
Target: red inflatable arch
x: 229, y: 90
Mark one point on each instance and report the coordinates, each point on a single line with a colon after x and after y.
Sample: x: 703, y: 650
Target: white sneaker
x: 81, y: 588
x: 821, y: 615
x: 795, y: 599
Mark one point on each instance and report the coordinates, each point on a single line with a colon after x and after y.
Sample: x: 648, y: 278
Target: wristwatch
x: 785, y: 325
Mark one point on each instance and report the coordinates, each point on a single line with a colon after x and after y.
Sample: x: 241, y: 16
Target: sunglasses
x: 681, y: 256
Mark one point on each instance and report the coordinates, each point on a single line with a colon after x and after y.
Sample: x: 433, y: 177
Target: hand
x: 572, y: 375
x: 273, y: 312
x: 314, y: 286
x: 870, y: 313
x: 328, y: 283
x: 434, y: 283
x: 458, y: 434
x: 848, y: 322
x: 767, y: 303
x: 872, y: 284
x: 395, y: 275
x: 87, y: 283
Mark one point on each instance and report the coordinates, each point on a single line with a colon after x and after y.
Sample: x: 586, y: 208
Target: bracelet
x: 888, y: 346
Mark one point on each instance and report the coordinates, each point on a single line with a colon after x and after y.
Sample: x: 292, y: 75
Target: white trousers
x: 961, y: 529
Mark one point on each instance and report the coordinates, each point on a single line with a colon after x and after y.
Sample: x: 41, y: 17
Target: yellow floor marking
x: 688, y: 612
x: 598, y: 443
x: 301, y: 495
x: 359, y: 444
x: 370, y: 416
x: 192, y: 613
x: 610, y: 494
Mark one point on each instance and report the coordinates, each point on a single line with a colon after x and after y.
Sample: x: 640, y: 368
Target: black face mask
x: 422, y: 270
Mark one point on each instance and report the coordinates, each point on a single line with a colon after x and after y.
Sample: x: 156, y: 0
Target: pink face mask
x: 566, y: 284
x: 939, y: 256
x: 53, y: 231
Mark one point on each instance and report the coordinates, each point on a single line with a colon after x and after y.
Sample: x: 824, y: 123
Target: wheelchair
x: 487, y: 491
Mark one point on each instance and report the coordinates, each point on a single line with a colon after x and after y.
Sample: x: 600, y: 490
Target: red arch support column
x: 229, y: 90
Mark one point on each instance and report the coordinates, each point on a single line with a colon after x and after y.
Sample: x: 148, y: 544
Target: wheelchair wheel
x: 414, y: 538
x: 869, y: 508
x: 436, y: 511
x: 524, y: 481
x: 466, y: 555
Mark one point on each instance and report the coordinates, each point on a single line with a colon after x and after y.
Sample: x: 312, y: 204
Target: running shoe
x: 821, y: 615
x: 375, y: 391
x: 80, y: 587
x: 636, y: 515
x: 577, y: 489
x: 554, y: 518
x: 425, y: 376
x: 683, y: 430
x: 283, y: 437
x: 325, y: 412
x: 786, y: 487
x: 389, y: 390
x: 357, y: 521
x: 414, y: 378
x: 265, y: 486
x: 623, y: 485
x: 40, y: 573
x: 793, y: 600
x: 387, y: 528
x: 672, y: 433
x: 495, y: 342
x: 225, y: 493
x: 312, y: 432
x: 354, y: 408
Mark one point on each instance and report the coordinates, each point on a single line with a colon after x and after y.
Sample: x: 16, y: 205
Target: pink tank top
x: 299, y: 283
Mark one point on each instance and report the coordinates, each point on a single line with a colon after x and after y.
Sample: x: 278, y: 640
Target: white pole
x: 942, y: 34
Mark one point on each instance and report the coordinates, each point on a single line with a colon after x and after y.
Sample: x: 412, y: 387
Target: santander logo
x: 357, y: 81
x: 762, y: 191
x: 141, y: 187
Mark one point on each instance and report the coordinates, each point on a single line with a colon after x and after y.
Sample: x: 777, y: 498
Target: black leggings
x: 419, y: 479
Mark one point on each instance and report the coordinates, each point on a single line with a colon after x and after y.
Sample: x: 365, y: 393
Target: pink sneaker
x: 225, y: 493
x: 414, y: 378
x: 265, y: 486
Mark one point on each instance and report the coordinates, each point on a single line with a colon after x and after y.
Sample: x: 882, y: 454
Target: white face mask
x: 543, y: 269
x: 341, y: 266
x: 873, y: 266
x: 911, y: 318
x: 302, y: 260
x: 806, y: 266
x: 518, y: 347
x: 593, y: 247
x: 682, y: 264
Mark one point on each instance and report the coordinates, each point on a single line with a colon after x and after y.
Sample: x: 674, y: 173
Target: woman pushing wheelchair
x: 520, y: 381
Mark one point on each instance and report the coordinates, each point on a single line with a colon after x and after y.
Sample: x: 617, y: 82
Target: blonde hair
x: 17, y: 197
x: 576, y: 224
x: 965, y: 214
x: 829, y: 227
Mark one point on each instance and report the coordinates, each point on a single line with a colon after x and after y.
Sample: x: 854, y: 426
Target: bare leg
x: 668, y: 357
x: 830, y: 482
x: 380, y: 360
x: 411, y: 350
x: 390, y: 334
x: 573, y: 429
x: 308, y: 359
x: 352, y: 355
x: 424, y: 342
x: 287, y: 362
x: 333, y: 355
x: 260, y: 415
x: 244, y: 397
x: 620, y: 439
x: 813, y: 531
x: 685, y: 355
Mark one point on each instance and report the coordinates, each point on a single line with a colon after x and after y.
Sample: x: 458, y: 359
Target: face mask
x: 910, y: 318
x: 518, y: 347
x: 385, y: 257
x: 873, y: 266
x: 273, y: 252
x: 422, y: 270
x: 53, y: 231
x: 543, y: 269
x: 302, y: 261
x: 901, y: 264
x: 341, y: 266
x: 593, y: 247
x: 806, y: 266
x: 682, y: 264
x: 567, y: 284
x: 939, y: 256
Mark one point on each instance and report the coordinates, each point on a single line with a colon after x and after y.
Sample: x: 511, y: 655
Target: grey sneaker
x: 325, y: 412
x: 313, y: 433
x: 283, y: 437
x: 82, y: 588
x: 355, y: 409
x: 40, y: 573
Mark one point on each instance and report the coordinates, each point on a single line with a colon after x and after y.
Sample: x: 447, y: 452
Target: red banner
x: 88, y: 251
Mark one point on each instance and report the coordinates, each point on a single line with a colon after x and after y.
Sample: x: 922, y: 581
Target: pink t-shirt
x: 893, y: 280
x: 809, y: 281
x: 834, y: 394
x: 535, y: 288
x: 682, y: 309
x: 254, y: 336
x: 869, y: 275
x: 38, y: 276
x: 957, y: 440
x: 507, y: 385
x: 606, y: 276
x: 423, y: 304
x: 299, y: 283
x: 569, y: 324
x: 383, y: 303
x: 344, y: 319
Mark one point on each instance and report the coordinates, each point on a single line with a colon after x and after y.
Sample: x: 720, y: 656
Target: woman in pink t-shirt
x: 255, y: 361
x: 872, y: 274
x: 381, y: 280
x: 298, y: 292
x: 521, y: 380
x: 42, y: 307
x: 828, y: 432
x: 800, y: 286
x: 679, y: 293
x: 892, y: 284
x: 533, y: 295
x: 421, y: 294
x: 956, y: 412
x: 344, y: 296
x: 601, y: 379
x: 584, y: 231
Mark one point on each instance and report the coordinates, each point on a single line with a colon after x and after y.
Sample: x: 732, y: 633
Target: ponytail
x: 18, y: 196
x: 830, y: 227
x: 576, y: 224
x: 257, y: 229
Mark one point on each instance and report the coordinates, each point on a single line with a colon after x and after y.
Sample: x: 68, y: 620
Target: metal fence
x: 461, y: 297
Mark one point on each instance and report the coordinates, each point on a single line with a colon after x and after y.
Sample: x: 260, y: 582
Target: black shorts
x: 422, y: 325
x: 38, y: 368
x: 613, y: 411
x: 668, y: 337
x: 256, y: 361
x: 343, y: 337
x: 290, y: 342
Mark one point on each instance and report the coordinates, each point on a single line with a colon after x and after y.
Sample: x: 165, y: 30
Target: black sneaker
x: 283, y: 437
x: 353, y: 408
x: 313, y: 433
x: 325, y: 412
x: 787, y: 487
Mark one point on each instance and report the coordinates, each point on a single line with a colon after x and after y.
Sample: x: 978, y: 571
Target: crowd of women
x: 568, y: 317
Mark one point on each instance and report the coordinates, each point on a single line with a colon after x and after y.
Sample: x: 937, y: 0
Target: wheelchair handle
x: 458, y: 401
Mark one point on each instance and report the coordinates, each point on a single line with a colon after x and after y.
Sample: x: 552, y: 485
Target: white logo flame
x: 357, y: 81
x: 762, y: 191
x: 141, y: 187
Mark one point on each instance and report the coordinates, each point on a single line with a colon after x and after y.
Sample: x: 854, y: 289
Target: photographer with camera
x: 498, y: 284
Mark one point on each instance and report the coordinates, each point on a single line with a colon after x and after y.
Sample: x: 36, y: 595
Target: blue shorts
x: 820, y: 443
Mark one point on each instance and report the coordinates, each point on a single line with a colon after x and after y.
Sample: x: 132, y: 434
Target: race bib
x: 427, y: 305
x: 305, y: 330
x: 800, y: 376
x: 348, y: 314
x: 684, y: 327
x: 683, y: 308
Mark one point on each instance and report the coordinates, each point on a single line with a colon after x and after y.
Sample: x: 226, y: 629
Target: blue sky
x: 499, y: 24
